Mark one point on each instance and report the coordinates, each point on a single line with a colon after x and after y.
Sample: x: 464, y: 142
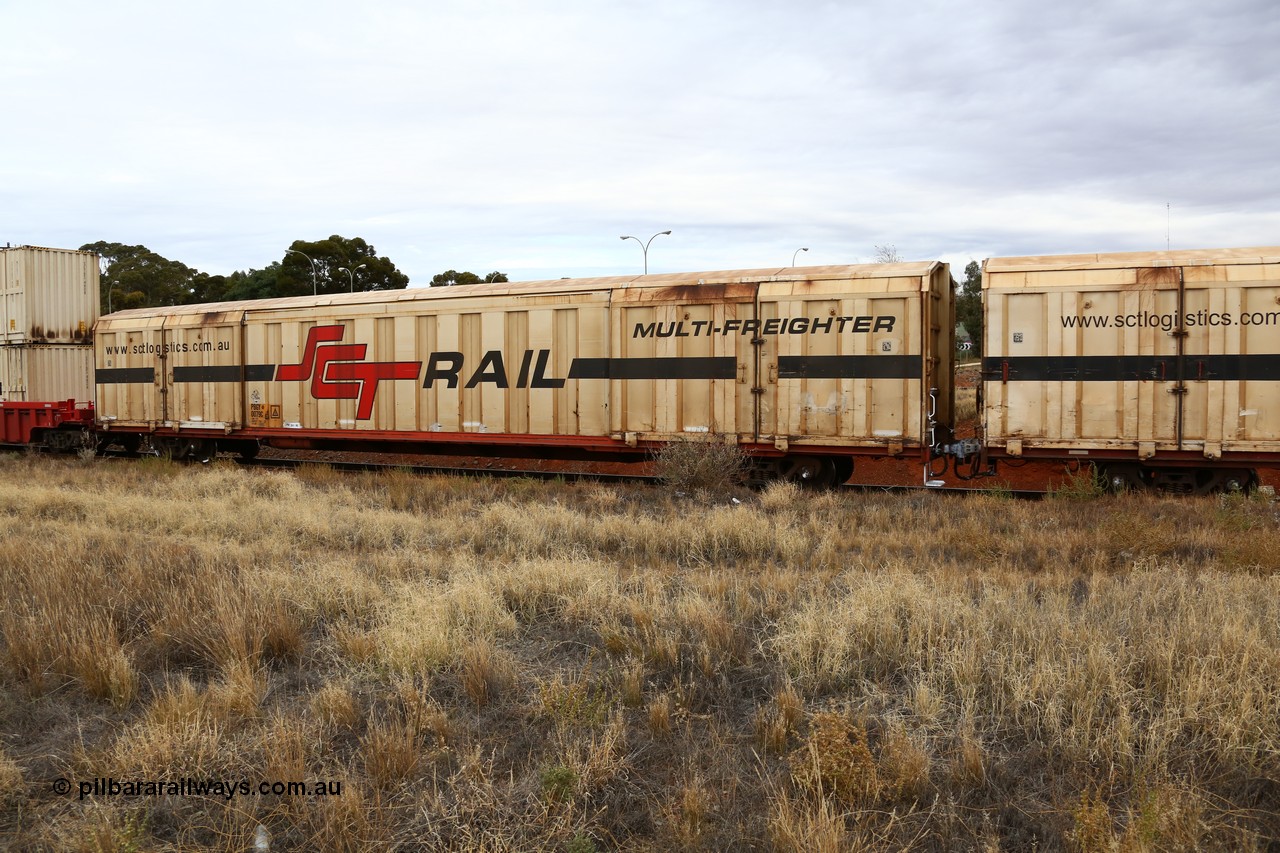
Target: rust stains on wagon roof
x: 218, y: 318
x: 1177, y: 257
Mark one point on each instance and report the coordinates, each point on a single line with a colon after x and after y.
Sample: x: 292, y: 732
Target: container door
x: 764, y: 369
x: 1191, y: 389
x: 13, y: 374
x: 204, y: 371
x: 1249, y: 356
x: 682, y: 362
x: 842, y: 361
x: 130, y: 379
x: 1157, y: 342
x: 1229, y: 359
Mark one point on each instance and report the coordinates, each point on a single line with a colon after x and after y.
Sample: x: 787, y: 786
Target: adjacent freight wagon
x: 807, y: 368
x: 1162, y: 368
x: 48, y: 305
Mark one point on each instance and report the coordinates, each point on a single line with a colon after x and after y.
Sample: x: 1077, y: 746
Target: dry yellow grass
x: 489, y: 665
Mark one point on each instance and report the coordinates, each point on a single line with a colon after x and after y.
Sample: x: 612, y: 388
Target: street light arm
x: 644, y: 247
x: 351, y: 275
x: 314, y: 287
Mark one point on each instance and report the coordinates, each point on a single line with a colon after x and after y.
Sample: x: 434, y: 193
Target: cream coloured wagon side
x: 1168, y: 360
x: 48, y: 304
x: 821, y: 360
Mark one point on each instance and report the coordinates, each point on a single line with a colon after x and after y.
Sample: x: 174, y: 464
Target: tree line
x: 136, y: 277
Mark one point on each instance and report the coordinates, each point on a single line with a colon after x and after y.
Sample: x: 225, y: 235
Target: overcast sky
x: 527, y: 137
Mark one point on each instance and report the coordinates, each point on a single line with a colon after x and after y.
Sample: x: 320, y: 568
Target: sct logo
x: 339, y: 371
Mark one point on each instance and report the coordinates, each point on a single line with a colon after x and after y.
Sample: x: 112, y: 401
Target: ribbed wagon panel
x: 46, y: 372
x: 1140, y: 353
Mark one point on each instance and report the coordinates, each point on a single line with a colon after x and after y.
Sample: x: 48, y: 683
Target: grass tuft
x: 711, y: 466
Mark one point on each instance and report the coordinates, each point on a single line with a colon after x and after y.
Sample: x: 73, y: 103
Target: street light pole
x: 111, y: 285
x: 314, y: 288
x: 796, y: 252
x: 644, y: 247
x: 351, y: 276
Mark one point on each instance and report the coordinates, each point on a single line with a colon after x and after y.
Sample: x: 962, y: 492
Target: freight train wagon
x: 48, y: 305
x: 1161, y: 368
x: 808, y: 369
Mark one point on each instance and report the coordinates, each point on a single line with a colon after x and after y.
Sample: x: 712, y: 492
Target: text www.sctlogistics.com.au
x: 1169, y: 321
x: 225, y: 788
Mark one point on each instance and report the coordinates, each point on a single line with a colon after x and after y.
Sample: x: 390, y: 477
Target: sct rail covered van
x: 806, y: 368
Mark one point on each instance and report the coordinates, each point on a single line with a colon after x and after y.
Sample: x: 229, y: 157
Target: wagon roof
x: 913, y: 269
x: 1181, y: 257
x: 46, y: 249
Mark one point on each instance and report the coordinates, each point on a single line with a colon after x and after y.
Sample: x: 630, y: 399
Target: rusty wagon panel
x: 680, y: 362
x: 1138, y: 353
x: 856, y: 354
x: 47, y: 296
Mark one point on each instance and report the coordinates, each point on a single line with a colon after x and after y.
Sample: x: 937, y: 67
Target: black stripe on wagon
x: 225, y: 373
x: 1231, y: 368
x: 123, y: 375
x: 1132, y: 368
x: 715, y: 367
x: 850, y: 366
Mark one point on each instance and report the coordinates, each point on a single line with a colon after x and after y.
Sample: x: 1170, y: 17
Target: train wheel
x: 203, y: 450
x: 1225, y: 480
x: 1187, y: 481
x: 168, y: 448
x: 812, y: 472
x: 130, y: 443
x: 197, y: 449
x: 1125, y: 478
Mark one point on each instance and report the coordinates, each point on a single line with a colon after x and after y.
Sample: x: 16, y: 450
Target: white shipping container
x: 46, y: 373
x: 47, y: 296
